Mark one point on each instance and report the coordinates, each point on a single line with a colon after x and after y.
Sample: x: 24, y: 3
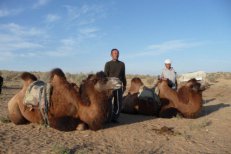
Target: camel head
x: 101, y: 83
x: 162, y: 82
x: 136, y: 84
x: 99, y: 86
x: 28, y: 78
x: 195, y: 85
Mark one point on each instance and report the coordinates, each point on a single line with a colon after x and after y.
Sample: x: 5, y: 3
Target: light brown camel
x: 186, y: 101
x: 68, y: 107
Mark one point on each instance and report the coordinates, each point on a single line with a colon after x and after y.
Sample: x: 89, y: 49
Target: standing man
x: 170, y: 74
x: 116, y: 68
x: 1, y: 82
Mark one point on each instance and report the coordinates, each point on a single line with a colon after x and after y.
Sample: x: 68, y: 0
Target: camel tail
x: 26, y: 76
x: 58, y: 72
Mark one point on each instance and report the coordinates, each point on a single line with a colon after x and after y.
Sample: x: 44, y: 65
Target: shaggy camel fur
x: 186, y: 101
x: 68, y: 107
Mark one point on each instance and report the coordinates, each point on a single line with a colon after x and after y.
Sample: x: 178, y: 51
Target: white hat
x: 167, y: 61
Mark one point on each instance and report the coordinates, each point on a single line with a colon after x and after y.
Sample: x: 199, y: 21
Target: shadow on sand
x: 206, y: 110
x: 126, y: 119
x: 208, y: 100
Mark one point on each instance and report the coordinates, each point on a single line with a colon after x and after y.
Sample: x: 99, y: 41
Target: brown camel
x: 186, y: 101
x: 140, y: 99
x: 68, y: 107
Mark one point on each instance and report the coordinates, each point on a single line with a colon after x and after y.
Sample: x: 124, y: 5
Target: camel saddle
x: 37, y: 94
x: 147, y: 93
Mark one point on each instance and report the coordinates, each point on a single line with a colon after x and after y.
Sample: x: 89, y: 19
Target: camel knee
x: 14, y: 113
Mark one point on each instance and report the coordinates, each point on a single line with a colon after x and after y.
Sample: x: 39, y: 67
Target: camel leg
x: 15, y: 114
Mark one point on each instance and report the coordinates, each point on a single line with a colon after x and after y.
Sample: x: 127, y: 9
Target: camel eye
x: 104, y: 80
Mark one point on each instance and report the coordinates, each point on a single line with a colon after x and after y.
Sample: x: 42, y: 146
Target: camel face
x: 110, y: 83
x: 99, y: 83
x: 195, y: 85
x: 102, y: 83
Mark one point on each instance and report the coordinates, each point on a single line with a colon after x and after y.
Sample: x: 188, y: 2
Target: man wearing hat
x: 170, y: 74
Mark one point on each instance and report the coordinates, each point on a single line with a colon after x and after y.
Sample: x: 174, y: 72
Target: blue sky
x: 77, y: 35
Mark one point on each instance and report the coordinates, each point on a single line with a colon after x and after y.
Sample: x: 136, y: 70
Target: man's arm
x: 162, y: 74
x: 106, y: 69
x: 124, y: 77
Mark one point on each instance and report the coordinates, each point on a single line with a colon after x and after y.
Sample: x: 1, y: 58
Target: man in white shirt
x: 169, y: 73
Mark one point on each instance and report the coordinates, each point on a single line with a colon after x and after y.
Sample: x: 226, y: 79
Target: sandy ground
x: 210, y: 133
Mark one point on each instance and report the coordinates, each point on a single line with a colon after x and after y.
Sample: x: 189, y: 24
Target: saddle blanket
x: 37, y: 95
x: 145, y: 93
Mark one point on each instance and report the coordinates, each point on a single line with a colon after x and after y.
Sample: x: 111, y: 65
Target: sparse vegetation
x: 149, y: 80
x: 203, y: 124
x: 61, y: 149
x: 166, y: 131
x: 57, y: 149
x: 4, y: 120
x: 212, y: 77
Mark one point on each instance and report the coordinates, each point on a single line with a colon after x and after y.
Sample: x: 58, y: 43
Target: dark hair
x: 114, y: 49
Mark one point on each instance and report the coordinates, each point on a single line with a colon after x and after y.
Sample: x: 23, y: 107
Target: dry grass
x: 4, y: 120
x: 212, y: 77
x: 77, y: 78
x: 201, y: 125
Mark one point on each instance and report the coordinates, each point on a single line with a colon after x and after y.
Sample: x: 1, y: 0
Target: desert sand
x: 210, y: 133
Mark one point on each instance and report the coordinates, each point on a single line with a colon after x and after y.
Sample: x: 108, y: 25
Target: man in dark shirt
x: 116, y: 68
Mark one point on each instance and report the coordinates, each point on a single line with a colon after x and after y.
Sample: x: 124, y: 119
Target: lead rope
x: 40, y: 106
x: 44, y: 111
x: 47, y: 124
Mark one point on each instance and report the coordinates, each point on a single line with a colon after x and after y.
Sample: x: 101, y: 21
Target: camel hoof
x: 81, y: 127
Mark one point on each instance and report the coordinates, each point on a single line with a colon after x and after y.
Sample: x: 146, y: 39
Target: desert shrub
x: 78, y: 78
x: 151, y: 81
x: 57, y: 149
x: 201, y: 125
x: 4, y: 120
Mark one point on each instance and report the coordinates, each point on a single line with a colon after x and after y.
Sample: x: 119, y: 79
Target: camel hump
x: 28, y: 76
x: 58, y: 72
